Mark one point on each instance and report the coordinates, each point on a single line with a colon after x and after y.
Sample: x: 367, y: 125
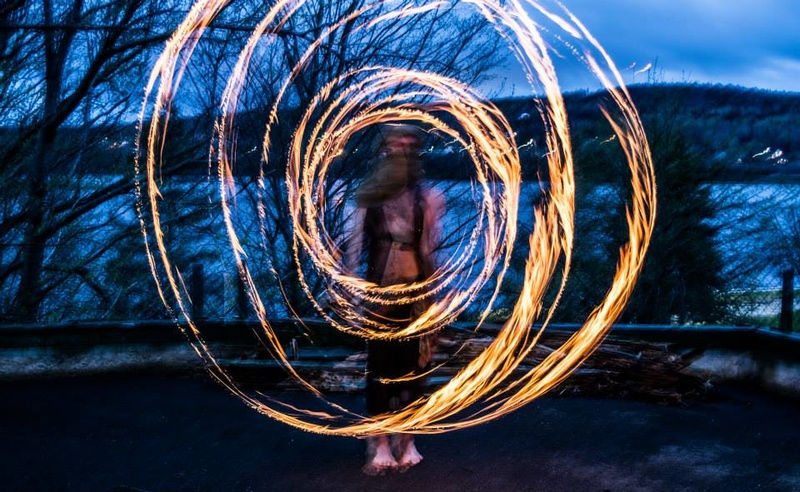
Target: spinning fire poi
x: 490, y: 385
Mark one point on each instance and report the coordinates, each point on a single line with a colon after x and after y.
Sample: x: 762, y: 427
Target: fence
x: 787, y: 302
x: 775, y: 308
x: 775, y: 305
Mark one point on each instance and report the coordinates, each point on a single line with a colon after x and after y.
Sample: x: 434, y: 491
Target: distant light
x: 763, y: 152
x: 644, y: 68
x: 776, y: 155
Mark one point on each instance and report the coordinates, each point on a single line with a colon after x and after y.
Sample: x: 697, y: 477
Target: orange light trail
x: 489, y: 385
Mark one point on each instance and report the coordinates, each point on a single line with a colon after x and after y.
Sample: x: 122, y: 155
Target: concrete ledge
x: 37, y: 362
x: 28, y: 351
x: 778, y: 375
x: 753, y: 355
x: 758, y: 356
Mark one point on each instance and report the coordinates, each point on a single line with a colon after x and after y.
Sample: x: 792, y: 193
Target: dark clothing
x: 398, y: 358
x: 393, y: 359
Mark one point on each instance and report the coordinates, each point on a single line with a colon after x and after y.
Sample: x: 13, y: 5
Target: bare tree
x: 71, y: 73
x: 73, y: 64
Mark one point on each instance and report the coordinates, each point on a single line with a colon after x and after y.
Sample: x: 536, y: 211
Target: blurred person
x: 398, y: 223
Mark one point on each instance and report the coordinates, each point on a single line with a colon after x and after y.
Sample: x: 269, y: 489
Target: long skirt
x: 392, y: 360
x: 398, y: 358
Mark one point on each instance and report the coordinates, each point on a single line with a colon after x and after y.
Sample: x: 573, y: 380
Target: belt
x: 402, y: 246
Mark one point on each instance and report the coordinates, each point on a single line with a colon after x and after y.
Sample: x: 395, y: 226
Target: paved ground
x: 169, y: 433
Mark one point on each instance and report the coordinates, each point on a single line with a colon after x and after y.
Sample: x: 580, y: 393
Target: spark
x: 490, y: 385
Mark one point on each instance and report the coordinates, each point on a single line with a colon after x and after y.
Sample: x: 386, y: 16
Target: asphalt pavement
x: 168, y: 432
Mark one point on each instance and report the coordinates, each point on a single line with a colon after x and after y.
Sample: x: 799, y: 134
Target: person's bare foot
x: 379, y: 456
x: 405, y: 452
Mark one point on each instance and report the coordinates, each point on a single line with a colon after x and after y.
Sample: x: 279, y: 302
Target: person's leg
x: 379, y: 362
x: 405, y: 452
x: 391, y: 360
x: 379, y: 456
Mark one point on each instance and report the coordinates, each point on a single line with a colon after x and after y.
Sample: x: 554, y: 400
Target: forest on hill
x: 741, y: 134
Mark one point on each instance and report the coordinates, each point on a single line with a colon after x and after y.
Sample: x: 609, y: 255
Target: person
x: 398, y: 224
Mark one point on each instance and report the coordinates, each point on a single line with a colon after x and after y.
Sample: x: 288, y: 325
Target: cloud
x: 746, y: 42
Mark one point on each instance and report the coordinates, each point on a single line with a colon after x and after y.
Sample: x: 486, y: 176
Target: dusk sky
x: 751, y: 43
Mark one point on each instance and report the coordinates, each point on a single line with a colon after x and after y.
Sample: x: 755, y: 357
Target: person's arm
x: 355, y: 241
x: 432, y: 229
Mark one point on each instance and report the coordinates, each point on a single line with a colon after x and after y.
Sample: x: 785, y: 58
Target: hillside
x: 748, y: 133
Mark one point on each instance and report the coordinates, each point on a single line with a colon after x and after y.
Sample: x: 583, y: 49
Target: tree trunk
x: 29, y: 296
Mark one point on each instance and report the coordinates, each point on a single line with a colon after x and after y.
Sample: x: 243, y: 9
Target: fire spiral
x: 359, y: 98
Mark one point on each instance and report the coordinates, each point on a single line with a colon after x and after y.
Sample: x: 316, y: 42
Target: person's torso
x: 399, y: 216
x: 395, y: 238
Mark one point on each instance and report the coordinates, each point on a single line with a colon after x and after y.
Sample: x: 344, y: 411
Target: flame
x: 490, y: 385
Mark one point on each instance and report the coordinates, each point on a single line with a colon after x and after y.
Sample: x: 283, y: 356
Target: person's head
x: 401, y: 139
x: 398, y: 164
x: 399, y: 154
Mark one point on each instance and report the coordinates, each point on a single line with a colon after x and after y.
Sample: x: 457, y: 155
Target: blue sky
x: 751, y: 43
